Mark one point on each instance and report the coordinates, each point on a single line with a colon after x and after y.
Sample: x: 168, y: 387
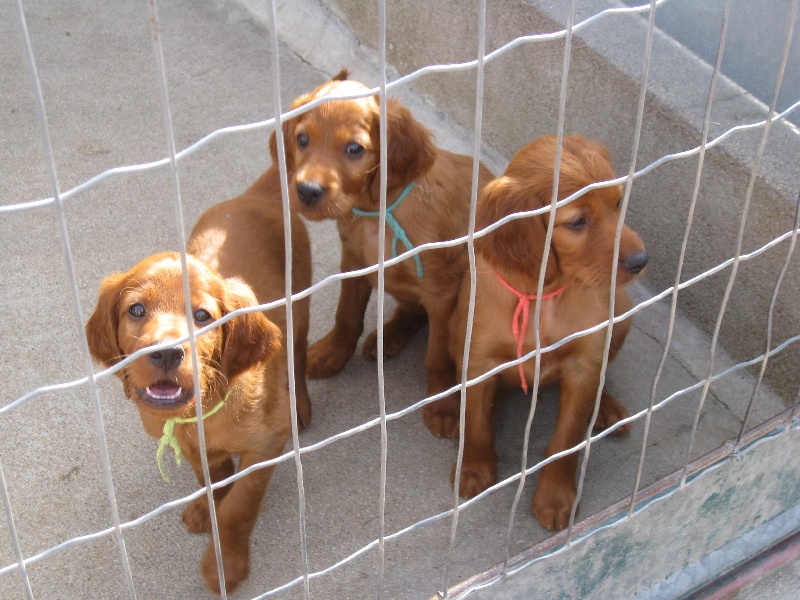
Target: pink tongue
x: 164, y: 390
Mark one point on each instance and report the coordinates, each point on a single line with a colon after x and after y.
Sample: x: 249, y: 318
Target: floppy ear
x: 517, y: 245
x: 288, y: 145
x: 410, y: 150
x: 101, y: 328
x: 249, y: 338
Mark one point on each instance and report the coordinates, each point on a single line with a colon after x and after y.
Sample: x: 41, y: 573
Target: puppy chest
x: 401, y: 280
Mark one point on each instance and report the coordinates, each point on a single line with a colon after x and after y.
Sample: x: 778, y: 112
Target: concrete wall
x: 730, y: 512
x: 521, y: 103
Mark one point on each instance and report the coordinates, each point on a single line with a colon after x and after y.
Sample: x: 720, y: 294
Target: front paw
x: 196, y: 516
x: 610, y: 413
x: 327, y: 357
x: 392, y: 344
x: 235, y: 566
x: 476, y: 476
x: 552, y: 505
x: 442, y: 416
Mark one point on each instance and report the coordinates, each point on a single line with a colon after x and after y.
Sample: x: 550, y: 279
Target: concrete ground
x: 99, y: 82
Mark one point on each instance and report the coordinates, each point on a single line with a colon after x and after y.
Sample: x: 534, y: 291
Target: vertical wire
x: 562, y: 111
x: 287, y: 232
x: 12, y: 530
x: 785, y: 267
x: 44, y: 130
x: 169, y: 133
x: 612, y: 294
x: 773, y: 301
x: 684, y: 244
x: 739, y: 242
x: 381, y: 282
x: 476, y: 160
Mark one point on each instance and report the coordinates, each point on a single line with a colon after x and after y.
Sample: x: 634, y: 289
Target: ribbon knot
x: 168, y: 438
x: 519, y: 322
x: 394, y: 224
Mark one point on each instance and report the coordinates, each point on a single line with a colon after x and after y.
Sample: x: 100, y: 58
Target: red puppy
x: 237, y: 248
x: 575, y: 297
x: 333, y: 159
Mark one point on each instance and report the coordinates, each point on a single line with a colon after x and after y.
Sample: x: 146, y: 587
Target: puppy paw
x: 196, y: 516
x: 552, y: 505
x: 441, y: 417
x: 475, y: 477
x: 326, y: 358
x: 393, y: 343
x: 610, y: 413
x: 235, y: 566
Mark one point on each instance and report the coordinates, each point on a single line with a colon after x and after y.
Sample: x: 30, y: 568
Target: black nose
x: 310, y: 192
x: 168, y: 358
x: 635, y: 262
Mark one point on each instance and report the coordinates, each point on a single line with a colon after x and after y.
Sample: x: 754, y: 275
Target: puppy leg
x: 406, y: 320
x: 479, y: 467
x: 301, y: 391
x: 609, y: 413
x: 441, y: 417
x: 327, y: 356
x: 556, y: 491
x: 196, y: 515
x: 236, y: 517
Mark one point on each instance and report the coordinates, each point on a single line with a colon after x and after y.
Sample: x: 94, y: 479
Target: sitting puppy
x: 333, y: 162
x: 575, y: 297
x: 235, y: 246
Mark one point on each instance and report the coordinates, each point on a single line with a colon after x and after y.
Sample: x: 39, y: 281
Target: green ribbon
x: 169, y: 439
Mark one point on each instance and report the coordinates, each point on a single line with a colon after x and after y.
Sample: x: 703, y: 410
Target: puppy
x: 576, y: 295
x: 236, y: 260
x: 333, y: 161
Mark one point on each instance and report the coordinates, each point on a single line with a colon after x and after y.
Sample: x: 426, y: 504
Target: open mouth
x: 165, y: 395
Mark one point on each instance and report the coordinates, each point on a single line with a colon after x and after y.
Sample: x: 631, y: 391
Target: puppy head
x: 583, y: 234
x: 145, y: 306
x: 333, y: 150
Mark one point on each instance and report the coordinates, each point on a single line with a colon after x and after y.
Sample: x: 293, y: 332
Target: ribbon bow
x: 394, y: 224
x: 519, y: 322
x: 169, y: 439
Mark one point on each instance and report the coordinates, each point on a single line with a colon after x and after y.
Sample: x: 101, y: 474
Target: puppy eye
x: 576, y: 224
x: 302, y: 140
x: 619, y: 203
x: 202, y: 315
x: 353, y: 149
x: 137, y: 310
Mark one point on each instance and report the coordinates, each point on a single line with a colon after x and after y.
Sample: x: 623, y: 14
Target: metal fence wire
x: 310, y: 567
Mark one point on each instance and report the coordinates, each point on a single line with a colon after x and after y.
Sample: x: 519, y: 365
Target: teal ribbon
x: 399, y: 232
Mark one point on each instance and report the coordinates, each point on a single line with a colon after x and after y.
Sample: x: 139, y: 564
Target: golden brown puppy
x: 575, y: 297
x: 333, y: 161
x: 236, y: 249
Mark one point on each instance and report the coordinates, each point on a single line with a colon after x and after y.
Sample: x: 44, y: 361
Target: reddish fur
x: 579, y: 259
x: 436, y: 209
x: 236, y: 260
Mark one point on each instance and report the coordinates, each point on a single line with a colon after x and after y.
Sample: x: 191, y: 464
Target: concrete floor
x: 99, y: 82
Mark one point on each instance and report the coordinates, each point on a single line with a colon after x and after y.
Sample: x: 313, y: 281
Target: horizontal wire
x: 337, y: 277
x: 466, y: 504
x: 641, y: 306
x: 267, y: 123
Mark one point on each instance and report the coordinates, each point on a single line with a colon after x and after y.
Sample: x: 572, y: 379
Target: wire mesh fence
x: 321, y: 542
